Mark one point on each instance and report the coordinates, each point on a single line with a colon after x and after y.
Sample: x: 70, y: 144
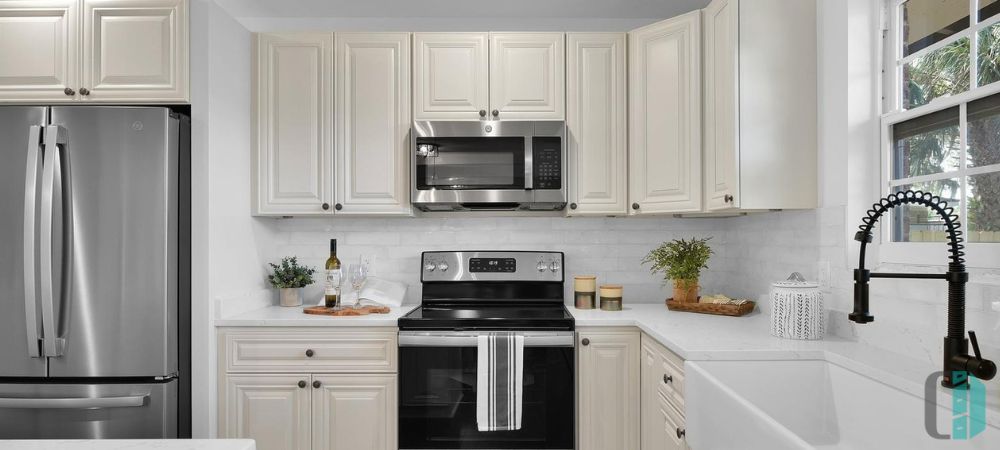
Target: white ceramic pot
x: 290, y: 296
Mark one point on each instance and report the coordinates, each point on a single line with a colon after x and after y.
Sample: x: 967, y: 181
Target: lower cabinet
x: 662, y: 398
x: 608, y: 383
x: 307, y: 410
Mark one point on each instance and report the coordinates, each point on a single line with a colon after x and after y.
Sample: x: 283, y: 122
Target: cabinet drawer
x: 309, y: 351
x: 673, y: 424
x: 671, y: 384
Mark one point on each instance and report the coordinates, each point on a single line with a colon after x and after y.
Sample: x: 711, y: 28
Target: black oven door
x: 437, y: 394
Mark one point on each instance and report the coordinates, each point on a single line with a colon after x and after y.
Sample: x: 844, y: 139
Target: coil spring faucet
x: 956, y: 347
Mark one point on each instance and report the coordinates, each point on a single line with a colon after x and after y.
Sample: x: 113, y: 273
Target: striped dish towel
x: 498, y: 381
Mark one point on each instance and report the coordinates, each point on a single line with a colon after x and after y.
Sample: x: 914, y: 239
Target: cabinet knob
x: 326, y: 207
x: 309, y: 353
x: 69, y: 91
x: 585, y: 341
x: 302, y: 384
x: 84, y: 91
x: 317, y: 384
x: 635, y: 206
x: 728, y: 198
x: 668, y: 378
x: 681, y: 433
x: 572, y: 206
x: 496, y: 113
x: 338, y: 207
x: 482, y: 113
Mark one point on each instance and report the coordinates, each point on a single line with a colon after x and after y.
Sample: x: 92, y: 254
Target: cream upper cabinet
x: 595, y: 122
x: 354, y: 412
x: 135, y: 50
x: 665, y: 116
x: 608, y: 389
x: 273, y: 410
x: 760, y: 144
x: 450, y: 76
x: 527, y: 72
x: 373, y: 122
x: 39, y: 49
x: 293, y: 164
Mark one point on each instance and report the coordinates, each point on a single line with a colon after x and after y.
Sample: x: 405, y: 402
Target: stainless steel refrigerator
x: 93, y: 272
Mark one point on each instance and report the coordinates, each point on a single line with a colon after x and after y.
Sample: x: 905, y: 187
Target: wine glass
x: 356, y: 275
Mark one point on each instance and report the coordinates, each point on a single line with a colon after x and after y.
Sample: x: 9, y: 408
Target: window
x: 941, y: 126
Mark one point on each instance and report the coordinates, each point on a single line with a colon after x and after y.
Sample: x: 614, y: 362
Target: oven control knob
x: 443, y: 267
x: 554, y: 266
x: 542, y: 266
x: 429, y: 267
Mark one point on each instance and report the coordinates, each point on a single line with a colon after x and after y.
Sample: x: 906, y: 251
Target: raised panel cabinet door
x: 354, y: 412
x: 595, y: 121
x: 39, y: 48
x: 722, y: 146
x: 293, y: 145
x: 527, y: 76
x: 450, y: 76
x: 135, y: 51
x: 665, y: 116
x: 273, y: 410
x: 608, y: 390
x: 373, y: 123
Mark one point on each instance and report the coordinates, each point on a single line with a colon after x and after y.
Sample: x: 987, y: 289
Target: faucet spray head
x: 860, y: 314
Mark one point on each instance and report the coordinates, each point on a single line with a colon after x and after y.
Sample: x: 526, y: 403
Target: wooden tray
x: 363, y: 311
x: 711, y: 308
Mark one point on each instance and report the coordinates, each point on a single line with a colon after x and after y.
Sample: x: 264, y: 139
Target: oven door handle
x: 462, y: 339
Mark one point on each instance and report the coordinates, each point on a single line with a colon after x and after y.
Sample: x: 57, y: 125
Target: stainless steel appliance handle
x: 529, y: 154
x: 74, y: 403
x: 51, y: 170
x: 30, y: 199
x: 471, y: 339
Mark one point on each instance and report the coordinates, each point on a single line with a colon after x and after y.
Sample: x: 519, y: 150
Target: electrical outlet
x: 823, y: 274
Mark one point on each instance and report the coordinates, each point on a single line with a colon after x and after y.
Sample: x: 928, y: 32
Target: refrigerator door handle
x: 55, y: 138
x: 30, y: 202
x: 74, y: 403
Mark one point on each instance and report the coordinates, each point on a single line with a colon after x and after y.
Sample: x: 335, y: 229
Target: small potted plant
x: 289, y: 278
x: 681, y: 260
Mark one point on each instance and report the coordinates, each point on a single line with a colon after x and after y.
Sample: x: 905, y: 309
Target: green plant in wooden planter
x: 681, y: 260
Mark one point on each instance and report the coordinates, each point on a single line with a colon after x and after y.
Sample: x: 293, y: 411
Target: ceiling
x: 414, y: 9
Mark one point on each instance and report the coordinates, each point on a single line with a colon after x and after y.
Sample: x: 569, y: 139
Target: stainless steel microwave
x: 489, y: 165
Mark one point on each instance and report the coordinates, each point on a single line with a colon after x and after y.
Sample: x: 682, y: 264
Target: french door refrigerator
x: 93, y: 240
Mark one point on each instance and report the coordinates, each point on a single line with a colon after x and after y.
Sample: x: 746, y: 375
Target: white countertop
x: 279, y: 316
x: 131, y: 444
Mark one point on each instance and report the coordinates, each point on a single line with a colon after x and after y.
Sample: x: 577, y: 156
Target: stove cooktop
x: 505, y: 316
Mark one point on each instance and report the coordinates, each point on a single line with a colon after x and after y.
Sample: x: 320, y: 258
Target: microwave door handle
x: 30, y: 198
x: 529, y: 182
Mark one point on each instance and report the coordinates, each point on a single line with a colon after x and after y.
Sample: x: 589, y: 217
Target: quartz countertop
x: 279, y: 316
x: 703, y: 337
x: 131, y: 444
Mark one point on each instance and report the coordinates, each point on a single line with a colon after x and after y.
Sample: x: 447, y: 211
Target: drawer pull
x: 309, y: 353
x: 668, y: 378
x: 302, y: 384
x: 681, y: 433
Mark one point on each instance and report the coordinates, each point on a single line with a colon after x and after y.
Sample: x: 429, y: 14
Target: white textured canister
x: 797, y: 309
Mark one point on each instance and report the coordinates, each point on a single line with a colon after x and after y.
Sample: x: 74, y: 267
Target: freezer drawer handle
x: 74, y: 403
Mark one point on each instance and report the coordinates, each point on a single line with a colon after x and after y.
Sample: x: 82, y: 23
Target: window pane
x: 984, y: 131
x: 926, y: 145
x: 942, y: 72
x: 989, y: 54
x: 988, y: 8
x: 984, y: 207
x: 928, y: 21
x: 914, y: 223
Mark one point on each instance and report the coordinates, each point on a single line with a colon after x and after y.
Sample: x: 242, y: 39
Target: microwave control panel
x: 547, y: 163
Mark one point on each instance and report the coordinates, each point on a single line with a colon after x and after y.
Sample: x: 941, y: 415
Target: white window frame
x: 985, y: 255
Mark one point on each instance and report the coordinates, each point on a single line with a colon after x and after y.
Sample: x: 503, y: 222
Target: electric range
x: 468, y: 293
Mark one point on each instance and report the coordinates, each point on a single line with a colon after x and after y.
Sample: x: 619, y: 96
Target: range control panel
x: 492, y: 266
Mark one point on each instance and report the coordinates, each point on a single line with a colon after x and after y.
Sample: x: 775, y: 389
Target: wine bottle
x: 331, y: 294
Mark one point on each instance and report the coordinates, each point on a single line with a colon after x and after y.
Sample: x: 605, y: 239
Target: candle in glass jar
x: 611, y: 297
x: 585, y: 291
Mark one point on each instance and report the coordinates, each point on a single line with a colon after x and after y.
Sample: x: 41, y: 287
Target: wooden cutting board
x: 363, y: 311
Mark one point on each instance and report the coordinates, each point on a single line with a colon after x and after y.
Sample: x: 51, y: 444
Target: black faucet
x: 956, y: 347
